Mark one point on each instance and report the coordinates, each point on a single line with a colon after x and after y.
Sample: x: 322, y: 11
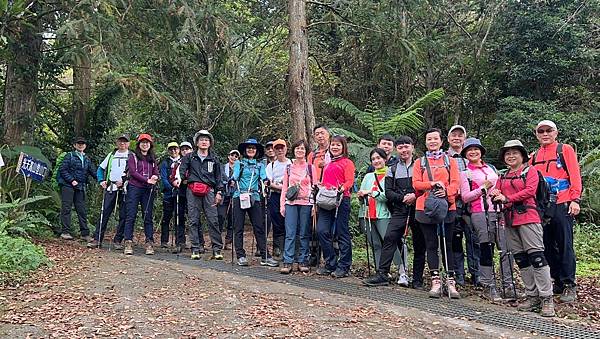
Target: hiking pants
x: 69, y: 197
x: 392, y: 241
x: 297, y: 225
x: 432, y: 239
x: 111, y: 200
x: 527, y: 244
x: 172, y: 205
x: 144, y: 197
x: 463, y: 227
x: 197, y: 205
x: 329, y: 226
x: 419, y: 250
x: 277, y: 220
x: 490, y: 238
x: 256, y: 215
x: 558, y: 243
x: 225, y: 210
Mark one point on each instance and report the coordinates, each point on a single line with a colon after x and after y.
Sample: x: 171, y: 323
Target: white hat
x: 457, y: 127
x: 546, y: 123
x: 185, y: 143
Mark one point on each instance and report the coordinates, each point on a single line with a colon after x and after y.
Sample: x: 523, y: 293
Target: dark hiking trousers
x: 558, y: 246
x: 169, y: 211
x: 256, y: 215
x: 143, y: 197
x: 112, y: 200
x: 69, y: 197
x: 225, y: 211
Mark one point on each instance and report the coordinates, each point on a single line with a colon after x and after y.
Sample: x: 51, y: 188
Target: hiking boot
x: 491, y: 293
x: 118, y: 246
x: 276, y: 252
x: 149, y: 249
x: 128, y: 250
x: 217, y: 255
x: 92, y: 244
x: 66, y: 236
x: 417, y: 284
x: 556, y: 289
x: 201, y: 249
x: 476, y: 282
x: 269, y: 262
x: 286, y: 269
x: 376, y: 280
x: 304, y: 268
x: 547, y: 307
x: 87, y: 238
x: 531, y: 304
x: 195, y: 255
x: 176, y: 249
x: 569, y: 294
x: 436, y: 287
x: 460, y: 280
x: 324, y: 271
x: 242, y: 261
x: 403, y: 280
x: 340, y: 273
x: 510, y: 293
x: 164, y: 245
x: 451, y: 284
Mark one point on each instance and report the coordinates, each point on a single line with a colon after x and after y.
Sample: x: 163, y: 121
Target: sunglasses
x: 542, y: 131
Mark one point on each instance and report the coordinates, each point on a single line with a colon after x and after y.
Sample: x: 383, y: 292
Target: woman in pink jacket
x: 475, y: 182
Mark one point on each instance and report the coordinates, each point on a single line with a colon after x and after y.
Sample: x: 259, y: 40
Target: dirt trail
x: 97, y: 293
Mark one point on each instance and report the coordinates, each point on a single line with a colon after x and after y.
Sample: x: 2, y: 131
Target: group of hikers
x: 525, y: 212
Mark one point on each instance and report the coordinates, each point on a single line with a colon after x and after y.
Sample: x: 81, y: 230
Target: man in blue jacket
x: 74, y: 172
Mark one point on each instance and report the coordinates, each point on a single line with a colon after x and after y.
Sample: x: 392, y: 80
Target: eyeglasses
x: 234, y: 155
x: 542, y: 131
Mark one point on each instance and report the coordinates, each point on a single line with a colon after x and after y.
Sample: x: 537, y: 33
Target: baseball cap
x: 172, y: 144
x: 144, y: 136
x: 79, y: 140
x: 457, y: 127
x: 234, y: 151
x: 279, y: 142
x: 185, y: 144
x: 548, y: 123
x: 123, y: 136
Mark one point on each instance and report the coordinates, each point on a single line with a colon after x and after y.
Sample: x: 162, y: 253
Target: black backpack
x: 542, y: 192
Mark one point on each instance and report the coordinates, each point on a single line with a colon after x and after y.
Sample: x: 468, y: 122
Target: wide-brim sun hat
x: 204, y: 133
x: 472, y: 142
x: 516, y: 144
x: 260, y: 150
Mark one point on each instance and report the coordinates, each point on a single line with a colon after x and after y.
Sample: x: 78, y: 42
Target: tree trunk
x: 82, y: 79
x: 299, y: 88
x: 21, y: 85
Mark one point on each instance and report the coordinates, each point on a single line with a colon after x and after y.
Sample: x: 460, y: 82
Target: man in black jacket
x: 74, y: 172
x: 401, y: 198
x: 202, y: 171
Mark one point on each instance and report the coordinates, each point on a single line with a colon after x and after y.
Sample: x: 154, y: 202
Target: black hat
x: 79, y: 140
x: 123, y: 136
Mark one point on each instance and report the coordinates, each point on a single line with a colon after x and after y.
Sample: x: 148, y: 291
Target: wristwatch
x: 578, y: 201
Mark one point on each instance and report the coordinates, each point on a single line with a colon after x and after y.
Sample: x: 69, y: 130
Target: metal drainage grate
x: 403, y: 297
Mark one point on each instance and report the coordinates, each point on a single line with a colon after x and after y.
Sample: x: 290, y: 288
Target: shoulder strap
x: 561, y: 156
x: 310, y: 169
x: 377, y: 181
x: 447, y: 164
x: 425, y: 162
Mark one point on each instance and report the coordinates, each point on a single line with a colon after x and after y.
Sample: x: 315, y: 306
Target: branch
x: 345, y: 23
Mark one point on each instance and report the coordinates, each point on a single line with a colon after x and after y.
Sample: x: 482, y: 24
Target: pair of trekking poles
x: 109, y: 188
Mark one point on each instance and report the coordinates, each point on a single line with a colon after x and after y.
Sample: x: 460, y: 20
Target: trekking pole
x: 232, y: 231
x: 266, y: 192
x: 490, y: 237
x: 405, y: 245
x: 366, y: 217
x: 101, y: 219
x: 442, y: 240
x: 176, y: 228
x: 114, y: 212
x: 508, y: 251
x: 315, y: 237
x: 149, y: 200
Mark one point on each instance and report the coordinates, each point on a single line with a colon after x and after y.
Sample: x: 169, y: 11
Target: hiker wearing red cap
x: 436, y: 180
x: 141, y: 190
x: 558, y: 163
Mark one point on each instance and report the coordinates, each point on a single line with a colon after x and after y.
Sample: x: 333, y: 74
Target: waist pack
x: 327, y: 198
x: 292, y: 192
x: 199, y: 189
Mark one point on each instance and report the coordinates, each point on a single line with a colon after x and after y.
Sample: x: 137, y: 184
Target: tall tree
x: 299, y: 87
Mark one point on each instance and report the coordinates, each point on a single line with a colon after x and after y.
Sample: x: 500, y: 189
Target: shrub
x: 18, y: 258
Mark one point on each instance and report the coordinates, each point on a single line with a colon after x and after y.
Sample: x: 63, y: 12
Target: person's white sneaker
x: 403, y: 280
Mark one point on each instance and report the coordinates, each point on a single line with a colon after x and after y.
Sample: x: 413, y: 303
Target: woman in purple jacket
x: 143, y: 175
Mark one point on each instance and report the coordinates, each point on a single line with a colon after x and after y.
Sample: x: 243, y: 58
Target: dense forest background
x: 274, y: 68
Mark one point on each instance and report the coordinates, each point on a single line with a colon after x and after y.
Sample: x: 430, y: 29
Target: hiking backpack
x: 56, y: 171
x: 560, y: 159
x: 542, y: 191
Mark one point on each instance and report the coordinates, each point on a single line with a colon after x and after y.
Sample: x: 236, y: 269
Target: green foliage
x: 15, y: 220
x: 586, y: 239
x: 19, y: 258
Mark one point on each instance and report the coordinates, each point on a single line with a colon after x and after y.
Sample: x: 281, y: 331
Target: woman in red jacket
x: 516, y: 189
x: 337, y: 175
x: 436, y: 173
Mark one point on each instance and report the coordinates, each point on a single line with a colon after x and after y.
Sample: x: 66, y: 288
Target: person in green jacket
x: 372, y: 194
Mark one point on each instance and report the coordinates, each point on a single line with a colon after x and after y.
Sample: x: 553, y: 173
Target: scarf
x: 434, y: 154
